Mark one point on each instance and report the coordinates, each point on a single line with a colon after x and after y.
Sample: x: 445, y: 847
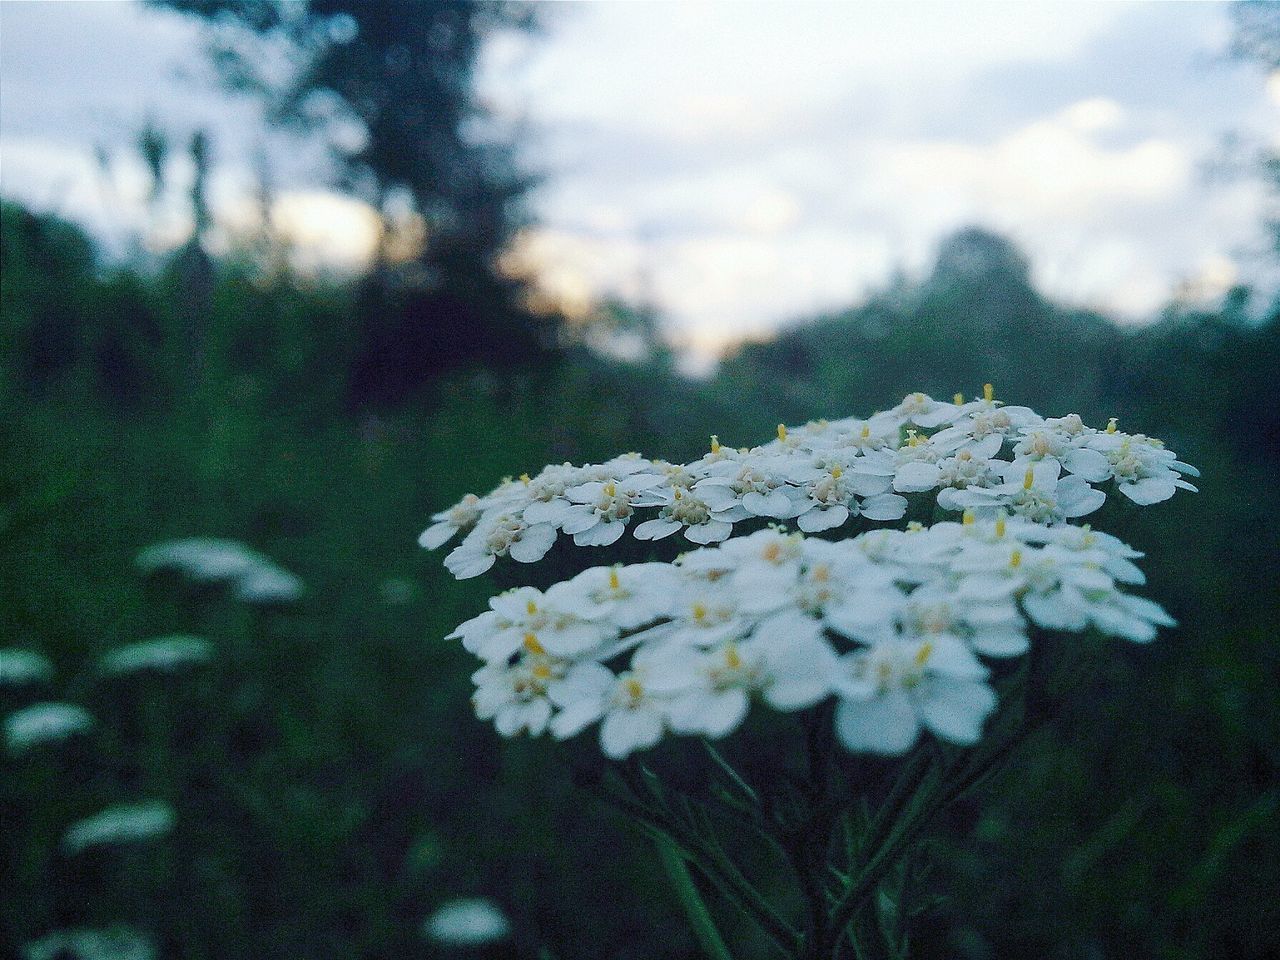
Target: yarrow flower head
x: 43, y: 723
x: 899, y: 628
x: 80, y: 943
x: 251, y: 577
x: 20, y: 667
x: 163, y: 655
x: 474, y: 922
x: 124, y: 823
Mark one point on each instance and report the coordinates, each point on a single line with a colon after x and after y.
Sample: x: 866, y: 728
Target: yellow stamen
x: 915, y: 526
x: 988, y: 392
x: 524, y: 478
x: 968, y: 518
x: 532, y: 645
x: 821, y: 573
x: 1015, y: 560
x: 613, y: 578
x: 836, y: 473
x: 866, y: 432
x: 1029, y: 479
x: 1000, y: 527
x: 635, y: 689
x: 771, y: 552
x: 732, y: 659
x: 958, y: 399
x: 541, y: 671
x: 611, y: 489
x: 715, y: 444
x: 531, y: 608
x: 699, y: 612
x: 1111, y: 425
x: 782, y: 431
x: 924, y: 653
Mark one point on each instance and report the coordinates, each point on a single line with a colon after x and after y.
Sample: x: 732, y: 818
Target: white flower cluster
x: 20, y: 667
x: 898, y: 626
x: 41, y: 723
x: 252, y: 577
x: 981, y: 455
x: 123, y: 823
x: 112, y: 943
x: 171, y: 654
x: 473, y: 922
x: 895, y: 624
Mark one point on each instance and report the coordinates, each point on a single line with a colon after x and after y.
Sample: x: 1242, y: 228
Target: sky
x: 737, y: 165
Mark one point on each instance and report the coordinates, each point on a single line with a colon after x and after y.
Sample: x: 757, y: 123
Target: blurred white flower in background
x: 123, y: 823
x: 111, y: 943
x: 250, y: 576
x: 162, y: 655
x: 44, y: 723
x: 472, y: 922
x: 268, y: 584
x: 20, y: 667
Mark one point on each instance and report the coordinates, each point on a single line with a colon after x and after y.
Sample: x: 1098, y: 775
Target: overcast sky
x: 739, y: 163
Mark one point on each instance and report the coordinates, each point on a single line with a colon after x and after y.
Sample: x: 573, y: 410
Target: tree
x: 391, y: 85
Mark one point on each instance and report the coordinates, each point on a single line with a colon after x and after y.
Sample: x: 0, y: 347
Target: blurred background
x: 295, y: 276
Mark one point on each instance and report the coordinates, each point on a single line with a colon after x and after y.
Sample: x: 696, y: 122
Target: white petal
x: 916, y: 477
x: 627, y: 730
x: 955, y: 711
x: 886, y: 724
x: 656, y: 529
x: 723, y: 712
x: 436, y: 535
x: 552, y: 511
x: 1150, y: 490
x: 884, y: 506
x: 823, y: 518
x: 602, y: 534
x: 1089, y: 464
x: 534, y: 543
x: 467, y: 564
x: 713, y: 531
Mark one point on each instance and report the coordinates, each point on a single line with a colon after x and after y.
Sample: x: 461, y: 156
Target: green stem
x: 695, y: 909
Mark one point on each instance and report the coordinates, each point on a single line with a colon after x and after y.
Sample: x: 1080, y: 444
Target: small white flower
x: 526, y: 619
x: 596, y: 513
x: 755, y: 486
x: 682, y: 509
x: 924, y: 411
x: 632, y: 717
x: 473, y: 922
x: 499, y: 536
x: 514, y: 696
x: 459, y: 518
x: 1143, y: 469
x: 1036, y: 491
x: 625, y: 597
x: 889, y: 691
